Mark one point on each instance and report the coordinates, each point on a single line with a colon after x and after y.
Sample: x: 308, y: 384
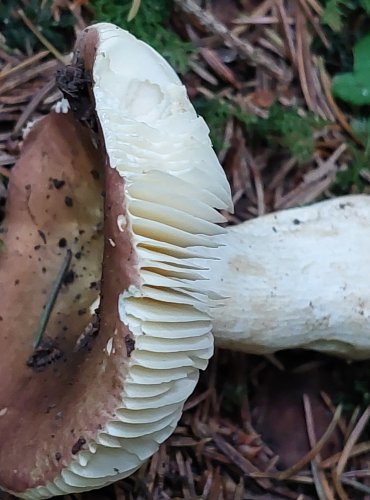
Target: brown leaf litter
x: 256, y: 427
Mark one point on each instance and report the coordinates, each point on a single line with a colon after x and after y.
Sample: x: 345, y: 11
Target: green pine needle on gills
x: 51, y: 300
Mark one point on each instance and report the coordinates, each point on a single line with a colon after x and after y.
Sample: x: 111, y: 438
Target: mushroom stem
x: 297, y: 279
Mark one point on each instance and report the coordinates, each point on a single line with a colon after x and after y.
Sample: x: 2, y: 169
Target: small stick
x: 254, y: 55
x: 50, y: 47
x: 321, y: 483
x: 51, y: 301
x: 286, y: 474
x: 27, y: 62
x: 351, y: 441
x: 135, y: 6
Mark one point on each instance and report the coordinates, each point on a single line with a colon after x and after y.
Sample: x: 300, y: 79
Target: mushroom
x: 109, y: 371
x: 94, y: 394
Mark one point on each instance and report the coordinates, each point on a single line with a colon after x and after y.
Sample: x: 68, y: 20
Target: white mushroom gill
x: 174, y: 187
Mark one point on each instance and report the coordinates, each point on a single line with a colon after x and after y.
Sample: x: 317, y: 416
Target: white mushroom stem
x: 297, y: 279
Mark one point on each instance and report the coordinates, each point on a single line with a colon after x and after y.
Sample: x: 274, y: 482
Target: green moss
x: 336, y: 11
x: 344, y: 23
x: 347, y: 27
x: 288, y: 129
x: 350, y: 179
x: 233, y: 397
x: 284, y: 128
x: 150, y: 25
x: 216, y: 112
x: 18, y: 36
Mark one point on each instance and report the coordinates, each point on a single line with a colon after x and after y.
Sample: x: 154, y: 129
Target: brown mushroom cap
x: 106, y: 399
x: 53, y: 409
x: 40, y: 223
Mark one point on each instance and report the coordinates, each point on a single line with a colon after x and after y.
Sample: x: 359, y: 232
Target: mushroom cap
x: 100, y: 409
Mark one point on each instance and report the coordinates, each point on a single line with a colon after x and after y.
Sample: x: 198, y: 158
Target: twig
x: 28, y: 75
x: 313, y: 452
x: 326, y: 398
x: 203, y: 73
x: 223, y: 71
x: 245, y: 49
x: 342, y: 495
x: 315, y: 23
x: 27, y: 62
x: 346, y: 453
x: 239, y: 460
x: 352, y: 422
x: 358, y: 449
x: 326, y: 167
x: 196, y: 400
x: 282, y: 173
x: 286, y: 29
x: 40, y: 36
x: 135, y: 6
x: 186, y: 486
x: 321, y: 484
x: 342, y: 120
x: 356, y: 485
x: 302, y: 60
x: 355, y: 434
x: 304, y: 193
x: 296, y: 478
x: 316, y: 7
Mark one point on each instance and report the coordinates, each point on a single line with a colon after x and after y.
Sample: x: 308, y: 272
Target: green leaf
x: 361, y: 59
x: 354, y: 88
x: 365, y: 4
